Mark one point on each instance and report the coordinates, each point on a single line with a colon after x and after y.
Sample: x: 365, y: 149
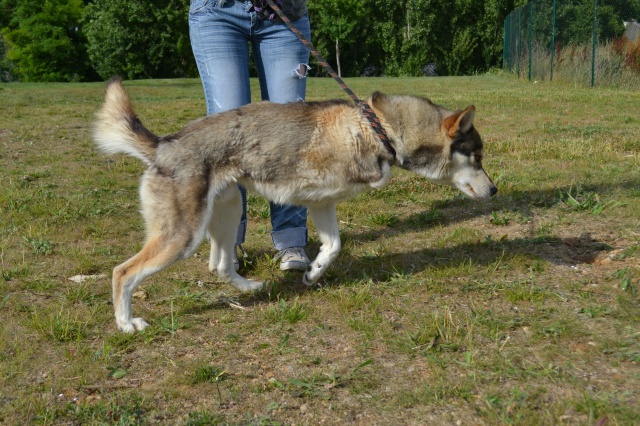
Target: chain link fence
x: 584, y: 42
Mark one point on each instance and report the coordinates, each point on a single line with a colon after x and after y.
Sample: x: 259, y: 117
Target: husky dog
x: 313, y: 154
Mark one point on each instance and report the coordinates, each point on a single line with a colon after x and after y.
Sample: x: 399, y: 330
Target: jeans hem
x: 292, y: 237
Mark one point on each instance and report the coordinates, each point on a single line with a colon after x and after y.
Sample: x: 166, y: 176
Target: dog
x: 307, y: 153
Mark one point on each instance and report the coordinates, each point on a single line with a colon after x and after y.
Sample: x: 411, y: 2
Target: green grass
x: 439, y: 310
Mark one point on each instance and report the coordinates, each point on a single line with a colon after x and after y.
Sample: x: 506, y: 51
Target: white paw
x: 133, y: 325
x: 139, y: 324
x: 249, y: 286
x: 126, y: 327
x: 308, y: 280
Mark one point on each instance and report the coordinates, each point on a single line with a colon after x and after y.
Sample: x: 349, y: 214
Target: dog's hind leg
x: 223, y: 226
x: 326, y: 222
x: 158, y: 253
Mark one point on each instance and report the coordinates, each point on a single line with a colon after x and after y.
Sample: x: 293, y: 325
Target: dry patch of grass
x: 438, y: 310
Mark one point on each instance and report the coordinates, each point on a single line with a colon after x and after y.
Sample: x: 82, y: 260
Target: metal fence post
x: 593, y: 48
x: 553, y: 39
x: 530, y: 37
x: 504, y: 43
x: 519, y: 39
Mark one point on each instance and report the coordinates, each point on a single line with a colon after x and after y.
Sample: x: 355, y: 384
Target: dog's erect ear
x: 461, y: 121
x: 377, y: 98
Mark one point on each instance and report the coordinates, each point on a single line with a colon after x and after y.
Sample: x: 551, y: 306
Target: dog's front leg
x: 326, y: 222
x: 223, y: 226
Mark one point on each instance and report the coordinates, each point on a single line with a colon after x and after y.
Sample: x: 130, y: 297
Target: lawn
x: 439, y: 310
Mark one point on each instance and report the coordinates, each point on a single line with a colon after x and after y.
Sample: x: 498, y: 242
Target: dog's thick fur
x: 312, y: 154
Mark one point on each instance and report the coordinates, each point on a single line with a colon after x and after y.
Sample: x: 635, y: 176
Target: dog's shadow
x: 353, y: 265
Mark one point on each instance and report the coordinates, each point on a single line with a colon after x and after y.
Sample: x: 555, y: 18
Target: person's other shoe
x: 293, y: 259
x: 234, y: 256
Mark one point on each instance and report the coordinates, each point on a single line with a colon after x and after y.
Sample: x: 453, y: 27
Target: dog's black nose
x: 494, y: 190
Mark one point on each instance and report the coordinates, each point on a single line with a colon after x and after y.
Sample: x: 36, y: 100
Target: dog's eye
x: 478, y: 158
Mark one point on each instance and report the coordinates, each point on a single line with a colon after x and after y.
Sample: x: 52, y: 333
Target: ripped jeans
x: 221, y: 31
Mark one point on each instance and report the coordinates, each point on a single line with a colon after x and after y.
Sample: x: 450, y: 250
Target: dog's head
x: 465, y: 170
x: 441, y: 145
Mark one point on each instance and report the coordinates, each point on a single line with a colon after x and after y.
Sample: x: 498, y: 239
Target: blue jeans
x: 221, y: 31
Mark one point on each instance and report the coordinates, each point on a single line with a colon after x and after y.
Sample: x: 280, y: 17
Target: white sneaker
x: 293, y: 259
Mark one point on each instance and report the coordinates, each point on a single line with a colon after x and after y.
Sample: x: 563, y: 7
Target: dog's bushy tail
x: 118, y: 130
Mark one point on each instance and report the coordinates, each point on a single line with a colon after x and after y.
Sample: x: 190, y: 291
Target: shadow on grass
x: 483, y: 255
x: 461, y: 209
x: 348, y: 267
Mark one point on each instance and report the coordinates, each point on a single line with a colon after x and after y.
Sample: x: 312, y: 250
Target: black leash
x: 366, y: 109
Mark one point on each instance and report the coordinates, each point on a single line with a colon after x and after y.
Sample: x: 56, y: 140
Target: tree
x: 45, y: 41
x: 139, y: 39
x: 387, y: 34
x: 338, y: 26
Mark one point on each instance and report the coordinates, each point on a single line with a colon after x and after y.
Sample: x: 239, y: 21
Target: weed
x: 383, y: 219
x: 168, y: 325
x: 60, y: 326
x: 81, y: 294
x: 593, y: 311
x: 554, y: 330
x: 117, y: 372
x: 105, y: 353
x: 14, y: 272
x: 624, y: 275
x: 431, y: 217
x: 290, y: 313
x: 580, y: 200
x: 526, y: 292
x: 39, y: 246
x: 204, y: 418
x: 210, y: 374
x: 127, y: 410
x: 500, y: 219
x: 314, y: 386
x: 318, y: 385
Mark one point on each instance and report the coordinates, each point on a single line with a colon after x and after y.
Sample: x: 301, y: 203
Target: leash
x: 366, y: 109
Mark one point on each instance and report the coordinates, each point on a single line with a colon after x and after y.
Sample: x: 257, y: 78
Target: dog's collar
x: 377, y: 126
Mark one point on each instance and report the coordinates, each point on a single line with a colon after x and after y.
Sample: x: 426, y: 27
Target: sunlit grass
x: 522, y: 310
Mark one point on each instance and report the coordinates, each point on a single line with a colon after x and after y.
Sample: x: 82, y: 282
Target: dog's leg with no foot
x: 326, y: 222
x: 157, y: 254
x: 223, y: 226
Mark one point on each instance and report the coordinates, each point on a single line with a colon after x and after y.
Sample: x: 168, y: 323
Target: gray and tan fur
x: 313, y: 154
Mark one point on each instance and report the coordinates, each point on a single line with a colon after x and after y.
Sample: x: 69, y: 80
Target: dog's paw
x: 131, y: 326
x: 255, y: 286
x: 139, y: 324
x: 126, y: 328
x: 247, y: 286
x: 308, y: 280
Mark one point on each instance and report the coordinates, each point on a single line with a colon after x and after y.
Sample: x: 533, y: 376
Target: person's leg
x: 219, y: 33
x: 282, y: 62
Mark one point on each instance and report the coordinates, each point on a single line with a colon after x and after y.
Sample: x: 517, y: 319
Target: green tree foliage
x: 388, y: 30
x: 341, y: 22
x: 139, y: 39
x: 44, y: 40
x: 460, y: 36
x: 575, y: 20
x: 401, y: 37
x: 66, y: 40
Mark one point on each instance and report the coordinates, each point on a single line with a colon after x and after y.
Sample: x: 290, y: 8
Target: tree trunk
x: 338, y: 58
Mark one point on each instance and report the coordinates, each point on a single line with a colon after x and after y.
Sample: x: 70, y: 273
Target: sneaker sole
x: 294, y: 266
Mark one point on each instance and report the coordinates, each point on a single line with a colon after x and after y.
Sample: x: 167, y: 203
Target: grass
x: 439, y: 310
